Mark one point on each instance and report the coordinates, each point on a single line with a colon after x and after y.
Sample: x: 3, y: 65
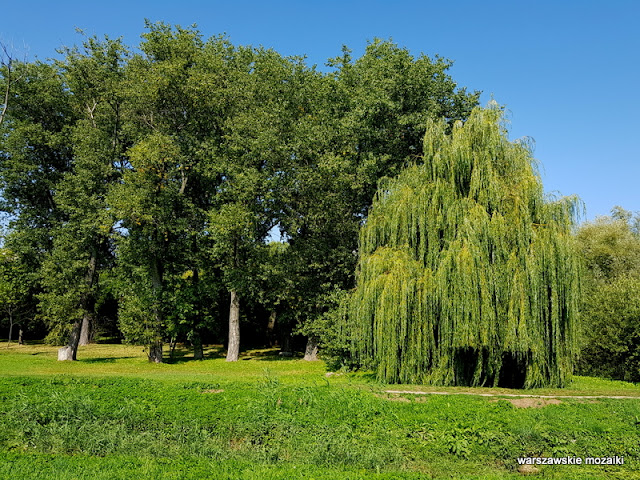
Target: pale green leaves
x: 464, y: 265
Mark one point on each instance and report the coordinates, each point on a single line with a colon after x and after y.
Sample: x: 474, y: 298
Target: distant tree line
x: 142, y: 188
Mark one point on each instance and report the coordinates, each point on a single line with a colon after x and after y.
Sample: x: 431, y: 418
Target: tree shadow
x: 274, y: 356
x: 183, y: 354
x: 102, y: 359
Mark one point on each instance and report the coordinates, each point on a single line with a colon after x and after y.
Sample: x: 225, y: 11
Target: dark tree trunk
x: 311, y: 352
x: 198, y: 351
x: 285, y: 349
x: 155, y: 352
x: 173, y: 342
x: 233, y: 350
x: 270, y: 327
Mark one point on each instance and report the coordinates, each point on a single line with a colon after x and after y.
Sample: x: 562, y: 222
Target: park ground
x: 112, y: 415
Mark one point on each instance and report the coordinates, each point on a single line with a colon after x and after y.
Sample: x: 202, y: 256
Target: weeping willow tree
x: 467, y: 274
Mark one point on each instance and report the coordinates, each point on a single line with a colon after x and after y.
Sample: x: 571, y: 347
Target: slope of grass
x: 113, y: 415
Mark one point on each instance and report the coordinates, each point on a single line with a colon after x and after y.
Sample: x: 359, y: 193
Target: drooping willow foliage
x: 467, y: 273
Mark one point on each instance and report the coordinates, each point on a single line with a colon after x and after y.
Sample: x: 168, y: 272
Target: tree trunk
x: 198, y: 351
x: 70, y: 350
x: 311, y: 352
x: 85, y: 330
x: 155, y: 352
x: 270, y: 327
x: 173, y: 343
x: 285, y: 349
x: 233, y: 350
x: 20, y: 341
x: 10, y: 329
x: 155, y: 347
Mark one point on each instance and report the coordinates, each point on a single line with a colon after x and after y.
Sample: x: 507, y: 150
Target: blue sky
x: 566, y: 70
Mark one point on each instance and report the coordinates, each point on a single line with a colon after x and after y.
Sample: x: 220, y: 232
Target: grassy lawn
x: 112, y: 415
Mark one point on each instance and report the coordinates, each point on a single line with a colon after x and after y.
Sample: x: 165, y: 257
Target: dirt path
x: 585, y: 397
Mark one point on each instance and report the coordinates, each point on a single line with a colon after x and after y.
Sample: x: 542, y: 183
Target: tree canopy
x: 152, y: 178
x: 610, y: 310
x: 468, y: 274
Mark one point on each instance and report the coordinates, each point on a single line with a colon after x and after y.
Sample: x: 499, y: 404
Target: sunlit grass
x: 99, y: 360
x: 266, y: 416
x: 131, y: 361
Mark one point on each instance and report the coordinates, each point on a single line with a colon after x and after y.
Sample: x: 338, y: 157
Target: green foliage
x: 81, y: 248
x: 467, y: 274
x: 34, y: 155
x: 610, y: 313
x: 136, y: 318
x: 363, y: 122
x: 611, y: 246
x: 183, y: 154
x: 16, y: 290
x: 157, y: 202
x: 34, y: 146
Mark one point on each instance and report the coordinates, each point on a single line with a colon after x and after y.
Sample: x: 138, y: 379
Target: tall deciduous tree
x: 35, y: 153
x: 172, y: 92
x: 252, y: 165
x: 467, y: 275
x: 362, y: 122
x: 81, y: 246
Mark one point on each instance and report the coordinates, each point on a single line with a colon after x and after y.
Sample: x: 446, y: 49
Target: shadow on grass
x: 276, y: 357
x: 269, y: 355
x: 182, y: 354
x: 103, y: 359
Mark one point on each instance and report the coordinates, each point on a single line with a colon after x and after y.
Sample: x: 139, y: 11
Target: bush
x: 611, y: 330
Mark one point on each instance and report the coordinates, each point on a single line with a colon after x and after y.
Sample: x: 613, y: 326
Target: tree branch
x: 8, y: 63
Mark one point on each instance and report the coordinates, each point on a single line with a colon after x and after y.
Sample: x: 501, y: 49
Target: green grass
x: 113, y: 415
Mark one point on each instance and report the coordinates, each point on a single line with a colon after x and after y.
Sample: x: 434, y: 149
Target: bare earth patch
x: 531, y: 402
x: 586, y: 398
x: 213, y: 390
